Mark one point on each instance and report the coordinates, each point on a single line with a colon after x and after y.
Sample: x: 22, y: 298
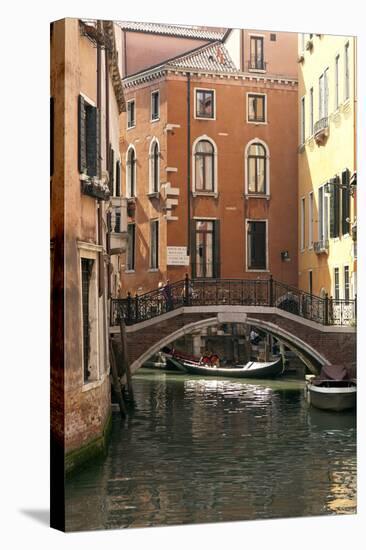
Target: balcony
x: 321, y: 247
x: 118, y: 226
x: 321, y: 130
x: 257, y: 64
x: 95, y: 188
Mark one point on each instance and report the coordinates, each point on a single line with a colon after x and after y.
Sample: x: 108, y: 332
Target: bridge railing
x: 259, y: 292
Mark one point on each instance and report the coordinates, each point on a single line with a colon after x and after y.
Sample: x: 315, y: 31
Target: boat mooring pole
x: 126, y: 361
x: 116, y: 381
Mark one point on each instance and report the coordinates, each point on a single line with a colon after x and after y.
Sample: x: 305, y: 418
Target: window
x: 256, y: 245
x: 206, y: 248
x: 323, y: 215
x: 155, y: 105
x: 311, y: 112
x: 302, y: 223
x: 88, y: 138
x: 117, y: 221
x: 154, y: 244
x: 336, y: 82
x: 257, y: 169
x: 346, y: 283
x: 302, y: 129
x: 336, y: 283
x: 273, y: 37
x: 256, y: 53
x: 346, y: 71
x: 131, y: 172
x: 204, y: 166
x: 345, y: 202
x: 205, y: 104
x: 154, y: 166
x: 87, y: 266
x: 323, y: 94
x: 131, y: 231
x: 311, y: 219
x: 310, y: 282
x: 131, y: 122
x: 256, y: 108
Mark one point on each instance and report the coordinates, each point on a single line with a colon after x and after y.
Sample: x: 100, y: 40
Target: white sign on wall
x: 177, y: 255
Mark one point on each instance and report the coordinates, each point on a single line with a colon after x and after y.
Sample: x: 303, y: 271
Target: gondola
x: 250, y: 370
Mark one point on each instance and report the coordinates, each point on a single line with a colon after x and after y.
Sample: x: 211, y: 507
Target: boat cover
x: 331, y: 372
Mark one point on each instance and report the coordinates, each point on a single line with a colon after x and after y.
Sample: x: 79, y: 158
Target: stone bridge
x: 316, y: 344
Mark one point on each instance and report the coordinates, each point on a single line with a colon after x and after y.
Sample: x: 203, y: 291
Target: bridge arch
x: 310, y: 356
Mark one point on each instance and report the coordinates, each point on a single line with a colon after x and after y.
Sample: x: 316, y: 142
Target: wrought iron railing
x: 257, y: 63
x: 321, y: 125
x: 321, y: 247
x: 244, y: 292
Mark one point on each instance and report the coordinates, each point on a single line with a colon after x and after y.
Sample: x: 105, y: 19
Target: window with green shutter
x: 345, y: 201
x: 88, y: 138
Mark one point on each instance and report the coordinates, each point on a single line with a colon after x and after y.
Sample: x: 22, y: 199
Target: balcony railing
x: 95, y: 188
x: 321, y: 247
x: 210, y: 292
x: 321, y: 130
x: 257, y: 64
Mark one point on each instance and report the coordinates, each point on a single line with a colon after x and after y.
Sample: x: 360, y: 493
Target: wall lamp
x: 335, y: 182
x: 285, y: 256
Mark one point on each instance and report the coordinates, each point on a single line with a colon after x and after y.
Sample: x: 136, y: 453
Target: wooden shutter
x: 257, y: 252
x: 345, y: 201
x: 81, y: 135
x: 52, y: 131
x: 118, y: 178
x: 193, y: 249
x: 92, y: 140
x: 216, y: 250
x: 111, y: 170
x: 334, y: 210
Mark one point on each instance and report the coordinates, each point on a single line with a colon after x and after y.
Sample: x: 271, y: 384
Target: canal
x: 200, y: 450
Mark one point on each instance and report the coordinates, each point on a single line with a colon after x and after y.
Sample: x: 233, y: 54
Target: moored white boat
x: 332, y: 390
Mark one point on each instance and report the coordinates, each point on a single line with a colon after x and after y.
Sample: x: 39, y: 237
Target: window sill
x: 154, y: 119
x: 93, y: 384
x: 131, y: 127
x: 153, y: 195
x: 204, y: 118
x: 249, y: 270
x: 254, y: 70
x: 257, y: 196
x: 205, y: 194
x: 258, y: 122
x: 153, y: 270
x: 128, y: 271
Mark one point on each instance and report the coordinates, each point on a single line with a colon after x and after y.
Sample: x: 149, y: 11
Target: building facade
x: 327, y: 165
x: 209, y: 163
x: 87, y: 228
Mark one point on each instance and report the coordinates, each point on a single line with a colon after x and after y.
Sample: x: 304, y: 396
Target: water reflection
x: 205, y: 450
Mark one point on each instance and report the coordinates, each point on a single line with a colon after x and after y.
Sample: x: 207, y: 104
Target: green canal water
x: 200, y: 450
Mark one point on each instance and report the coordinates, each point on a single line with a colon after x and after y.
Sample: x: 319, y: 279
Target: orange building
x: 209, y: 162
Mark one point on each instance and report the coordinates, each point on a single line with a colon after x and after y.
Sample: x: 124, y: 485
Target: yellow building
x: 327, y: 165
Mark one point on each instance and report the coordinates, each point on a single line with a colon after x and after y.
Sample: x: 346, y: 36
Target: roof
x: 182, y: 31
x: 212, y: 58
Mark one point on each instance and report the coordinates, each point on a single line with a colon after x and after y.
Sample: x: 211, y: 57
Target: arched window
x: 204, y: 166
x: 154, y: 167
x: 257, y: 169
x: 131, y: 172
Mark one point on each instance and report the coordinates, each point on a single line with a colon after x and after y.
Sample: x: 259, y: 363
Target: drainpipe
x: 99, y: 204
x: 189, y: 164
x: 107, y: 159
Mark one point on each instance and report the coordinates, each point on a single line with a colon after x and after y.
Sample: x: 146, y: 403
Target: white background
x: 24, y: 382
